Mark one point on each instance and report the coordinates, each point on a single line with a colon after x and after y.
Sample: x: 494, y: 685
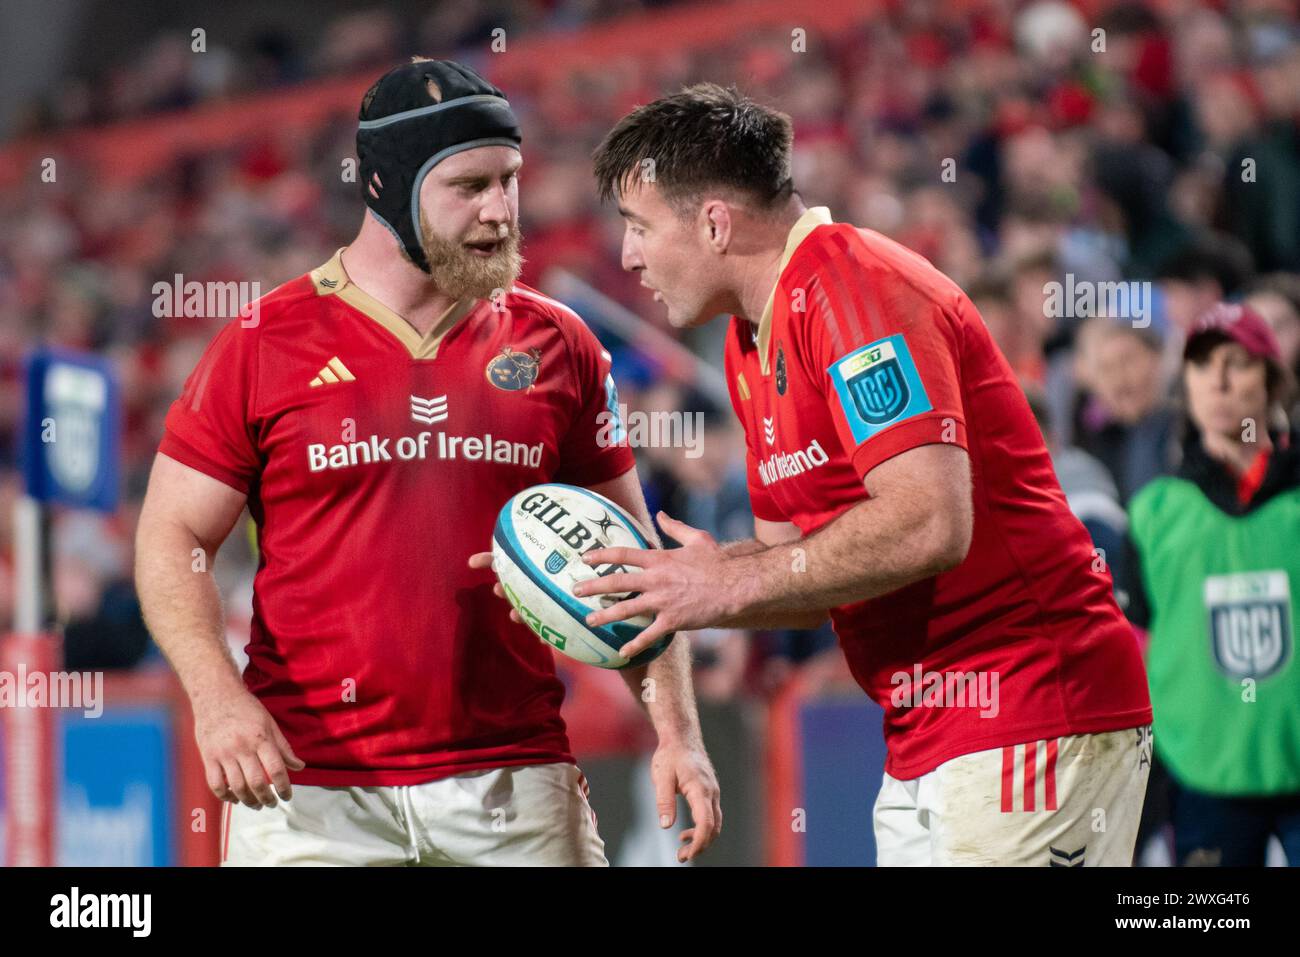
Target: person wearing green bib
x: 1213, y: 572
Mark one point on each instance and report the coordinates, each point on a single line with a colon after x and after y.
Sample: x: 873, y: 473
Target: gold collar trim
x: 805, y: 224
x: 331, y: 279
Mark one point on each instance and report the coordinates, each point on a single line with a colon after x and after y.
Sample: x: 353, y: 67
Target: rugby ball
x: 537, y: 547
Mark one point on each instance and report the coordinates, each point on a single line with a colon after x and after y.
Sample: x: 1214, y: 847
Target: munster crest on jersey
x: 781, y: 381
x: 512, y: 371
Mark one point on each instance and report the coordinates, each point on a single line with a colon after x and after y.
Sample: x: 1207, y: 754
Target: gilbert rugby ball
x: 537, y: 547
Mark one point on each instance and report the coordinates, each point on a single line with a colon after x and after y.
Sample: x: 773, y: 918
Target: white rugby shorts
x: 1063, y: 802
x: 525, y: 815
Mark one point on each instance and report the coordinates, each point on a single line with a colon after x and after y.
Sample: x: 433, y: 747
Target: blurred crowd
x: 1145, y: 147
x: 163, y: 74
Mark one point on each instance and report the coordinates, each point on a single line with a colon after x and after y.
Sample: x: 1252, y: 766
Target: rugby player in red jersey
x: 374, y: 415
x: 899, y: 483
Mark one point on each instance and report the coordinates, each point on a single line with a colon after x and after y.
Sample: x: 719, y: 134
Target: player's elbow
x: 947, y: 537
x: 953, y: 551
x: 927, y: 493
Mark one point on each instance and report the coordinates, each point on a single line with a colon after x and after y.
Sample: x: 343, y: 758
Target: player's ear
x: 716, y: 223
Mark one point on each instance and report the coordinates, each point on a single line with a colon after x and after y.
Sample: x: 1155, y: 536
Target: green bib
x: 1225, y: 688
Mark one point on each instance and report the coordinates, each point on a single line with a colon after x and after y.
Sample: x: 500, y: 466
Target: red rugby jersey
x: 375, y: 462
x: 866, y: 351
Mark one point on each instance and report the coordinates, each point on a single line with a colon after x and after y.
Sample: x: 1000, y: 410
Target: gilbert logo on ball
x: 537, y: 546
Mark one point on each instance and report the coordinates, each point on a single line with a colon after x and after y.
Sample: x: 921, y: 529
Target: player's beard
x: 460, y: 274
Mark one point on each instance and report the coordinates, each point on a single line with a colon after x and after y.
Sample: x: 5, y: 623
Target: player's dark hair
x: 706, y: 137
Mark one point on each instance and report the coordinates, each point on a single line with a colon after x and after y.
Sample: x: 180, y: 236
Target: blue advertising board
x: 117, y: 789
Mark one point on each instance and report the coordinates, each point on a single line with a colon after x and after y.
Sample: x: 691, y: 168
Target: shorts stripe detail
x: 225, y: 831
x: 1008, y: 778
x: 1031, y: 775
x: 1049, y: 775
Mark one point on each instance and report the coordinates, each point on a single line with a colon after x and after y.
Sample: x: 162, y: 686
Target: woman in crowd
x: 1212, y: 572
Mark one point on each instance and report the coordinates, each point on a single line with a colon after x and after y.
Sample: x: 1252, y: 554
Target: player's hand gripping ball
x: 537, y: 549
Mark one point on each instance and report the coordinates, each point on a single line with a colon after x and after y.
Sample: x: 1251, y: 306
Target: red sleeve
x: 886, y: 356
x: 595, y: 448
x: 760, y: 502
x: 211, y: 426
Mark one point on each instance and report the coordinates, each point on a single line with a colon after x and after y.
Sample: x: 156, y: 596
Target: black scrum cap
x: 413, y: 118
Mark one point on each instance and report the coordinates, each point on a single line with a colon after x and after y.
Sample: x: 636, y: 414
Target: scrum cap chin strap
x: 411, y: 120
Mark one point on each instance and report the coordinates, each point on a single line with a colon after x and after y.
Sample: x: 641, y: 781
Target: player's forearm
x: 782, y: 618
x: 182, y: 610
x: 874, y: 548
x: 665, y: 690
x: 747, y: 546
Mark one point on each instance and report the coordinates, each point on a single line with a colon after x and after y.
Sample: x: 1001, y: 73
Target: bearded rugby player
x: 374, y: 418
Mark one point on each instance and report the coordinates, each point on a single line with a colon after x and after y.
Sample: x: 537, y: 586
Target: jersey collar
x: 331, y: 279
x: 805, y: 224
